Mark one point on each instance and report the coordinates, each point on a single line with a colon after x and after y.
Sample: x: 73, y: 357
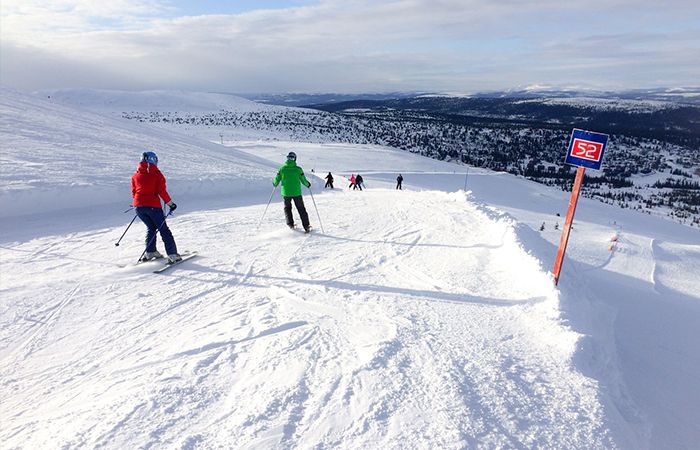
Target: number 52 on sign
x: 586, y: 149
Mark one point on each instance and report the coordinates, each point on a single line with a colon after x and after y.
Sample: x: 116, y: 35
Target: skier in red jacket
x: 148, y: 188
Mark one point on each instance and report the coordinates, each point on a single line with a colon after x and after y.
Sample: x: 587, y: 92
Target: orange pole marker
x: 573, y: 200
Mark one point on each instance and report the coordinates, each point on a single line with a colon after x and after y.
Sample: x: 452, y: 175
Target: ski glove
x: 172, y: 206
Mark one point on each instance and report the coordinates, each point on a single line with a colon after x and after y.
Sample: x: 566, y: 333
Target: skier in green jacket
x: 292, y: 177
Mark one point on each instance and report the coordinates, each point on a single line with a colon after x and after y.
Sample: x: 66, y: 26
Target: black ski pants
x: 301, y: 209
x: 329, y: 184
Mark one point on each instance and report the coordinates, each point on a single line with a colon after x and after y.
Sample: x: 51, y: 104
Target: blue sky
x: 349, y: 46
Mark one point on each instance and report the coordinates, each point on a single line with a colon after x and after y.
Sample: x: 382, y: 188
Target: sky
x: 348, y: 46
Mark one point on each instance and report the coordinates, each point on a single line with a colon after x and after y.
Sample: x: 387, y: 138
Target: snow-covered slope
x: 380, y: 332
x: 168, y: 101
x: 57, y: 157
x: 423, y: 318
x: 629, y: 284
x: 609, y: 104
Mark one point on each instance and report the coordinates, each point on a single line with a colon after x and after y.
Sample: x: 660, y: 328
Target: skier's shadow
x: 63, y: 256
x: 453, y: 297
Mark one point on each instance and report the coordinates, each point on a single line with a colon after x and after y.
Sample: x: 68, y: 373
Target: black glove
x: 172, y: 206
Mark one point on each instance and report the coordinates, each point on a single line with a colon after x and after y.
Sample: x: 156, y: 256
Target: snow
x: 423, y: 318
x: 608, y: 104
x: 152, y: 101
x: 56, y: 157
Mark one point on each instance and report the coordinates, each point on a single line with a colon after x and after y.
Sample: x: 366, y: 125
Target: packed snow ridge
x: 421, y: 318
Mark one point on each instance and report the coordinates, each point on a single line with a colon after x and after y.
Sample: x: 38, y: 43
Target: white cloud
x: 42, y: 20
x: 355, y: 45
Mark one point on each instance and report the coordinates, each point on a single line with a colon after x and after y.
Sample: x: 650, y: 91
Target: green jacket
x: 292, y: 177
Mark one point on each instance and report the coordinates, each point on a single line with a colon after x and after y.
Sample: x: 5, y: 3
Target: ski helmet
x: 150, y: 158
x: 292, y: 156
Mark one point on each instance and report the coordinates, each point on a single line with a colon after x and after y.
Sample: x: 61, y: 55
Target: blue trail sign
x: 586, y: 149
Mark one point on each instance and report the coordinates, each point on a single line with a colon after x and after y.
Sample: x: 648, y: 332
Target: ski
x: 301, y: 230
x: 185, y: 256
x: 144, y: 260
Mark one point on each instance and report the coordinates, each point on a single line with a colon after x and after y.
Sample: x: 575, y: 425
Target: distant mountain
x: 688, y: 95
x: 160, y: 100
x: 311, y: 99
x: 656, y: 119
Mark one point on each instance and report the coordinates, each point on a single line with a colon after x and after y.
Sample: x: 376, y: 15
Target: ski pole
x: 127, y: 229
x: 128, y: 209
x: 154, y: 236
x: 316, y: 208
x: 268, y: 205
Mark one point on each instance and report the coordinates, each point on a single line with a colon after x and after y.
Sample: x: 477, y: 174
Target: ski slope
x: 116, y: 102
x: 423, y: 318
x: 57, y: 157
x: 365, y: 336
x: 629, y: 284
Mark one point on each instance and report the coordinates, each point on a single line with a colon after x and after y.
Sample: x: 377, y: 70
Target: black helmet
x: 292, y: 156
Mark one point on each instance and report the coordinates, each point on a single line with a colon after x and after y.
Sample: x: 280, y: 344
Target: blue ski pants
x: 155, y: 221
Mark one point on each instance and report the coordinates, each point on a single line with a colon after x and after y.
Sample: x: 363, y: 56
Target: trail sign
x: 586, y: 149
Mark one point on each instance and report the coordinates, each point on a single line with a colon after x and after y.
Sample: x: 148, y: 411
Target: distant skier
x: 352, y: 181
x: 292, y: 177
x: 399, y: 180
x: 329, y: 181
x: 147, y: 189
x: 358, y: 182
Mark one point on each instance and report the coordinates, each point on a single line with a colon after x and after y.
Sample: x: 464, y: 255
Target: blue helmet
x: 292, y: 156
x: 150, y: 158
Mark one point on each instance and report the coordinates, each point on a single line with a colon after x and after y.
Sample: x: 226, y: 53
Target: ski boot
x: 173, y: 258
x: 150, y: 256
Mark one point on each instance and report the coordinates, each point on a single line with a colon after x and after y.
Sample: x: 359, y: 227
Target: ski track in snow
x: 376, y: 334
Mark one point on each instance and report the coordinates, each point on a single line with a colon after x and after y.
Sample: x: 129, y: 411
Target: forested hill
x: 677, y: 123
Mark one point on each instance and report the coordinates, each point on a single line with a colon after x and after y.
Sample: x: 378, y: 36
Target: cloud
x: 32, y: 20
x: 354, y: 45
x: 31, y: 68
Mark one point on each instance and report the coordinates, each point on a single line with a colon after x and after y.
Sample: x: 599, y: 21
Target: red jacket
x: 148, y: 186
